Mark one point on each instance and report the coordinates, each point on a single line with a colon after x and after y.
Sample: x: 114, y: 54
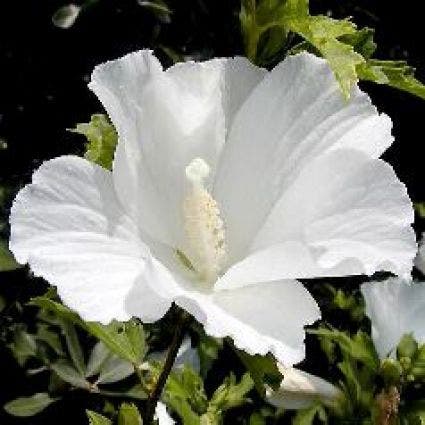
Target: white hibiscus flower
x: 395, y: 308
x: 299, y: 390
x: 228, y: 183
x: 162, y: 415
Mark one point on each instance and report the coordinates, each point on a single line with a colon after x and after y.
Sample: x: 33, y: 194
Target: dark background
x: 44, y: 71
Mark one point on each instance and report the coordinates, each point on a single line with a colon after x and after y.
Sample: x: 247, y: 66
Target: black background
x: 44, y: 71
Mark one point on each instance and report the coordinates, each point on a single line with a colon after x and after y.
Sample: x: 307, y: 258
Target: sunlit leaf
x: 129, y: 415
x: 101, y: 140
x: 231, y: 394
x: 97, y: 419
x: 397, y: 74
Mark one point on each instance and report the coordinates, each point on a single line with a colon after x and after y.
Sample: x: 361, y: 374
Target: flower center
x: 203, y: 225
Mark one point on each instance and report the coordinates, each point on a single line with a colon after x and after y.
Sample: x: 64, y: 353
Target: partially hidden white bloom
x: 162, y: 416
x: 395, y: 307
x: 229, y: 182
x: 299, y: 390
x: 187, y: 355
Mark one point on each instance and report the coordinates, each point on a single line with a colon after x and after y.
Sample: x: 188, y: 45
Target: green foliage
x: 307, y: 416
x: 7, y: 260
x: 208, y: 350
x: 350, y: 302
x: 420, y: 208
x: 358, y: 364
x: 97, y: 419
x: 396, y: 74
x: 263, y: 371
x: 23, y: 345
x: 185, y: 394
x: 129, y: 415
x: 358, y: 347
x: 230, y: 394
x: 29, y: 406
x: 321, y: 32
x: 66, y: 371
x: 159, y: 8
x: 407, y: 347
x: 101, y: 140
x: 126, y: 340
x: 267, y: 26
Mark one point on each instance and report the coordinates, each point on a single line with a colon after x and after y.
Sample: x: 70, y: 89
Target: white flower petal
x: 185, y: 356
x: 268, y: 317
x: 70, y: 228
x: 299, y: 390
x: 164, y: 121
x: 162, y: 416
x: 395, y: 307
x: 345, y: 214
x: 294, y: 115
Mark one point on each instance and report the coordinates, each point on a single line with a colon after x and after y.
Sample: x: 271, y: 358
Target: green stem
x: 168, y: 365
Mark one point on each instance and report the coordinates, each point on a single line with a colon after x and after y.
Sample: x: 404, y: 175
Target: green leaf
x: 49, y: 337
x: 74, y: 347
x: 362, y: 42
x: 263, y: 371
x: 257, y: 419
x: 396, y: 74
x: 348, y: 302
x: 358, y: 347
x: 129, y: 415
x: 102, y: 140
x: 407, y: 347
x: 420, y: 208
x: 264, y: 27
x: 114, y: 369
x: 29, y: 406
x: 125, y: 339
x: 208, y: 350
x: 231, y: 394
x: 187, y: 385
x: 418, y: 364
x: 271, y: 21
x: 307, y: 416
x: 97, y: 419
x: 69, y: 374
x: 323, y: 34
x: 159, y: 8
x: 23, y: 345
x: 99, y: 354
x: 7, y: 260
x: 65, y: 16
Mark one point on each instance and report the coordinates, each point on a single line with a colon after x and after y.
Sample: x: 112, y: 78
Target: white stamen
x: 203, y: 224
